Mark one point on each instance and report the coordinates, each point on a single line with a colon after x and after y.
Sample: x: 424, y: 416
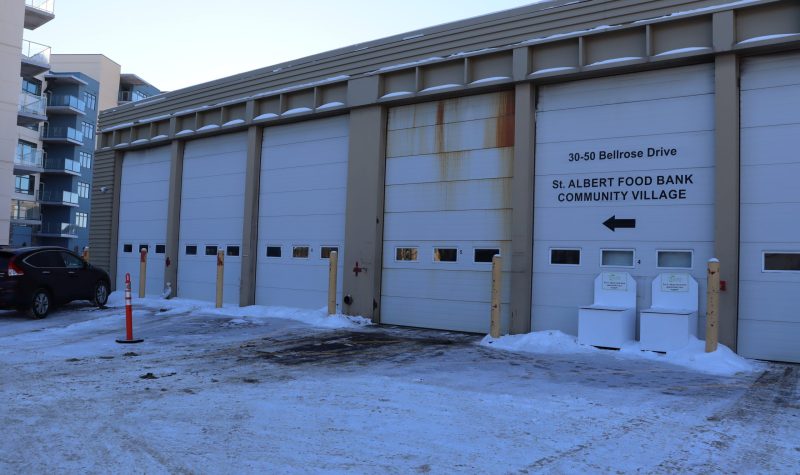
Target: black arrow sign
x: 613, y: 223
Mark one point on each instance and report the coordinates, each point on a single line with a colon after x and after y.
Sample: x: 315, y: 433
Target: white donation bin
x: 672, y: 319
x: 611, y: 320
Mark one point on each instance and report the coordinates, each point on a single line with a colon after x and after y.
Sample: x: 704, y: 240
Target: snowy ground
x: 236, y: 391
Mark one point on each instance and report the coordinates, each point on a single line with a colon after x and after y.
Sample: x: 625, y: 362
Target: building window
x: 24, y: 184
x: 83, y: 189
x: 674, y: 259
x: 273, y: 251
x: 138, y: 96
x: 406, y: 254
x: 616, y: 258
x: 161, y: 248
x: 90, y: 100
x: 300, y: 252
x: 325, y: 251
x: 191, y: 250
x: 485, y: 255
x: 127, y: 248
x: 211, y: 250
x: 565, y: 257
x: 88, y: 130
x: 81, y: 219
x: 445, y: 254
x: 232, y: 251
x: 86, y: 159
x: 782, y: 261
x: 31, y: 87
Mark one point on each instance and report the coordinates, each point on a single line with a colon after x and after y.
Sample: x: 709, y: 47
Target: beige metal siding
x: 105, y: 167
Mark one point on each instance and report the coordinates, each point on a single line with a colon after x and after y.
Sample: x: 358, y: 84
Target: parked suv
x: 35, y: 279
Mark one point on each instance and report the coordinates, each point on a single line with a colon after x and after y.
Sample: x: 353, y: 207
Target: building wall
x: 97, y: 66
x: 11, y: 28
x: 570, y: 42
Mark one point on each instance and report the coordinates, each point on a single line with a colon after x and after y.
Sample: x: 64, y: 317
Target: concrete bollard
x: 333, y: 265
x: 497, y: 276
x: 712, y: 306
x: 142, y: 272
x: 220, y: 276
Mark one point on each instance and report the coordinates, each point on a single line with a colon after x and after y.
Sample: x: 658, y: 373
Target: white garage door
x: 447, y: 211
x: 212, y: 209
x: 769, y: 301
x: 302, y: 203
x: 144, y: 195
x: 624, y: 182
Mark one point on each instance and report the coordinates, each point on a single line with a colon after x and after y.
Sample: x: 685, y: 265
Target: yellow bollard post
x: 86, y: 253
x: 712, y: 306
x: 220, y: 276
x: 333, y: 264
x: 497, y: 276
x: 142, y: 271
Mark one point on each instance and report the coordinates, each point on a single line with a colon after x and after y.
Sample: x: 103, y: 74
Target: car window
x: 71, y: 261
x: 45, y: 259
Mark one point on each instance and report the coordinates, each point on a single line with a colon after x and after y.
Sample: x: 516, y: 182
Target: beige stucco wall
x: 12, y: 15
x: 97, y: 66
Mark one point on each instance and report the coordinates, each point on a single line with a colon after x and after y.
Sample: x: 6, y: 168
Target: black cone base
x: 135, y: 340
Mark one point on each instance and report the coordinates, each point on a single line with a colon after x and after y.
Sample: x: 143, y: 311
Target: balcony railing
x: 59, y: 229
x: 35, y: 52
x: 44, y: 5
x: 30, y: 158
x: 32, y: 104
x: 58, y: 197
x: 25, y: 211
x: 62, y: 165
x: 65, y: 133
x: 67, y: 101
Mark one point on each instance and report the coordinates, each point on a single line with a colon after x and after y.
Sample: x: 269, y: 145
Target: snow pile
x: 722, y: 362
x: 253, y: 314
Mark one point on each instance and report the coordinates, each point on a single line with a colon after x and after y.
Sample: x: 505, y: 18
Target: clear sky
x: 177, y: 43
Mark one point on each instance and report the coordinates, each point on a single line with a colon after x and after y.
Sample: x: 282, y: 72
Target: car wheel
x: 100, y: 296
x: 40, y: 304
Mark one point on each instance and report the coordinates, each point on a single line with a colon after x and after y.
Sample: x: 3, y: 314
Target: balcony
x: 66, y: 135
x: 25, y: 212
x: 38, y: 12
x: 63, y: 166
x: 58, y: 198
x: 63, y: 230
x: 66, y: 105
x: 31, y: 161
x: 32, y: 109
x: 35, y: 58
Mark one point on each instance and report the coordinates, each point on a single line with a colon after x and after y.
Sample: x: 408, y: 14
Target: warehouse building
x: 571, y: 137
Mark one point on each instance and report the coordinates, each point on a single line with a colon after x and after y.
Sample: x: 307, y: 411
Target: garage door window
x: 160, y: 248
x: 617, y: 258
x: 406, y: 254
x: 325, y: 251
x: 273, y: 251
x: 145, y: 247
x: 781, y: 262
x: 445, y: 254
x: 211, y: 250
x: 127, y: 248
x: 675, y: 259
x: 565, y: 257
x: 191, y: 250
x: 485, y: 255
x: 300, y: 252
x: 232, y: 251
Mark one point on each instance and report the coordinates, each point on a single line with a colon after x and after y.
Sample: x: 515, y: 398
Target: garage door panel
x: 301, y: 132
x: 213, y: 186
x: 144, y: 192
x: 154, y: 172
x: 751, y: 265
x: 426, y: 249
x: 769, y: 145
x: 766, y: 107
x: 770, y: 222
x: 472, y: 286
x: 759, y: 302
x: 310, y: 154
x: 151, y: 211
x: 449, y: 196
x: 282, y: 180
x: 776, y: 341
x: 449, y: 225
x: 457, y: 110
x: 300, y: 229
x: 561, y: 318
x: 201, y: 230
x: 304, y: 202
x: 465, y: 165
x: 783, y: 180
x: 626, y: 120
x: 204, y: 150
x: 221, y: 207
x: 440, y: 314
x: 694, y: 147
x: 769, y: 71
x: 200, y: 269
x: 652, y: 85
x: 472, y: 135
x: 550, y: 289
